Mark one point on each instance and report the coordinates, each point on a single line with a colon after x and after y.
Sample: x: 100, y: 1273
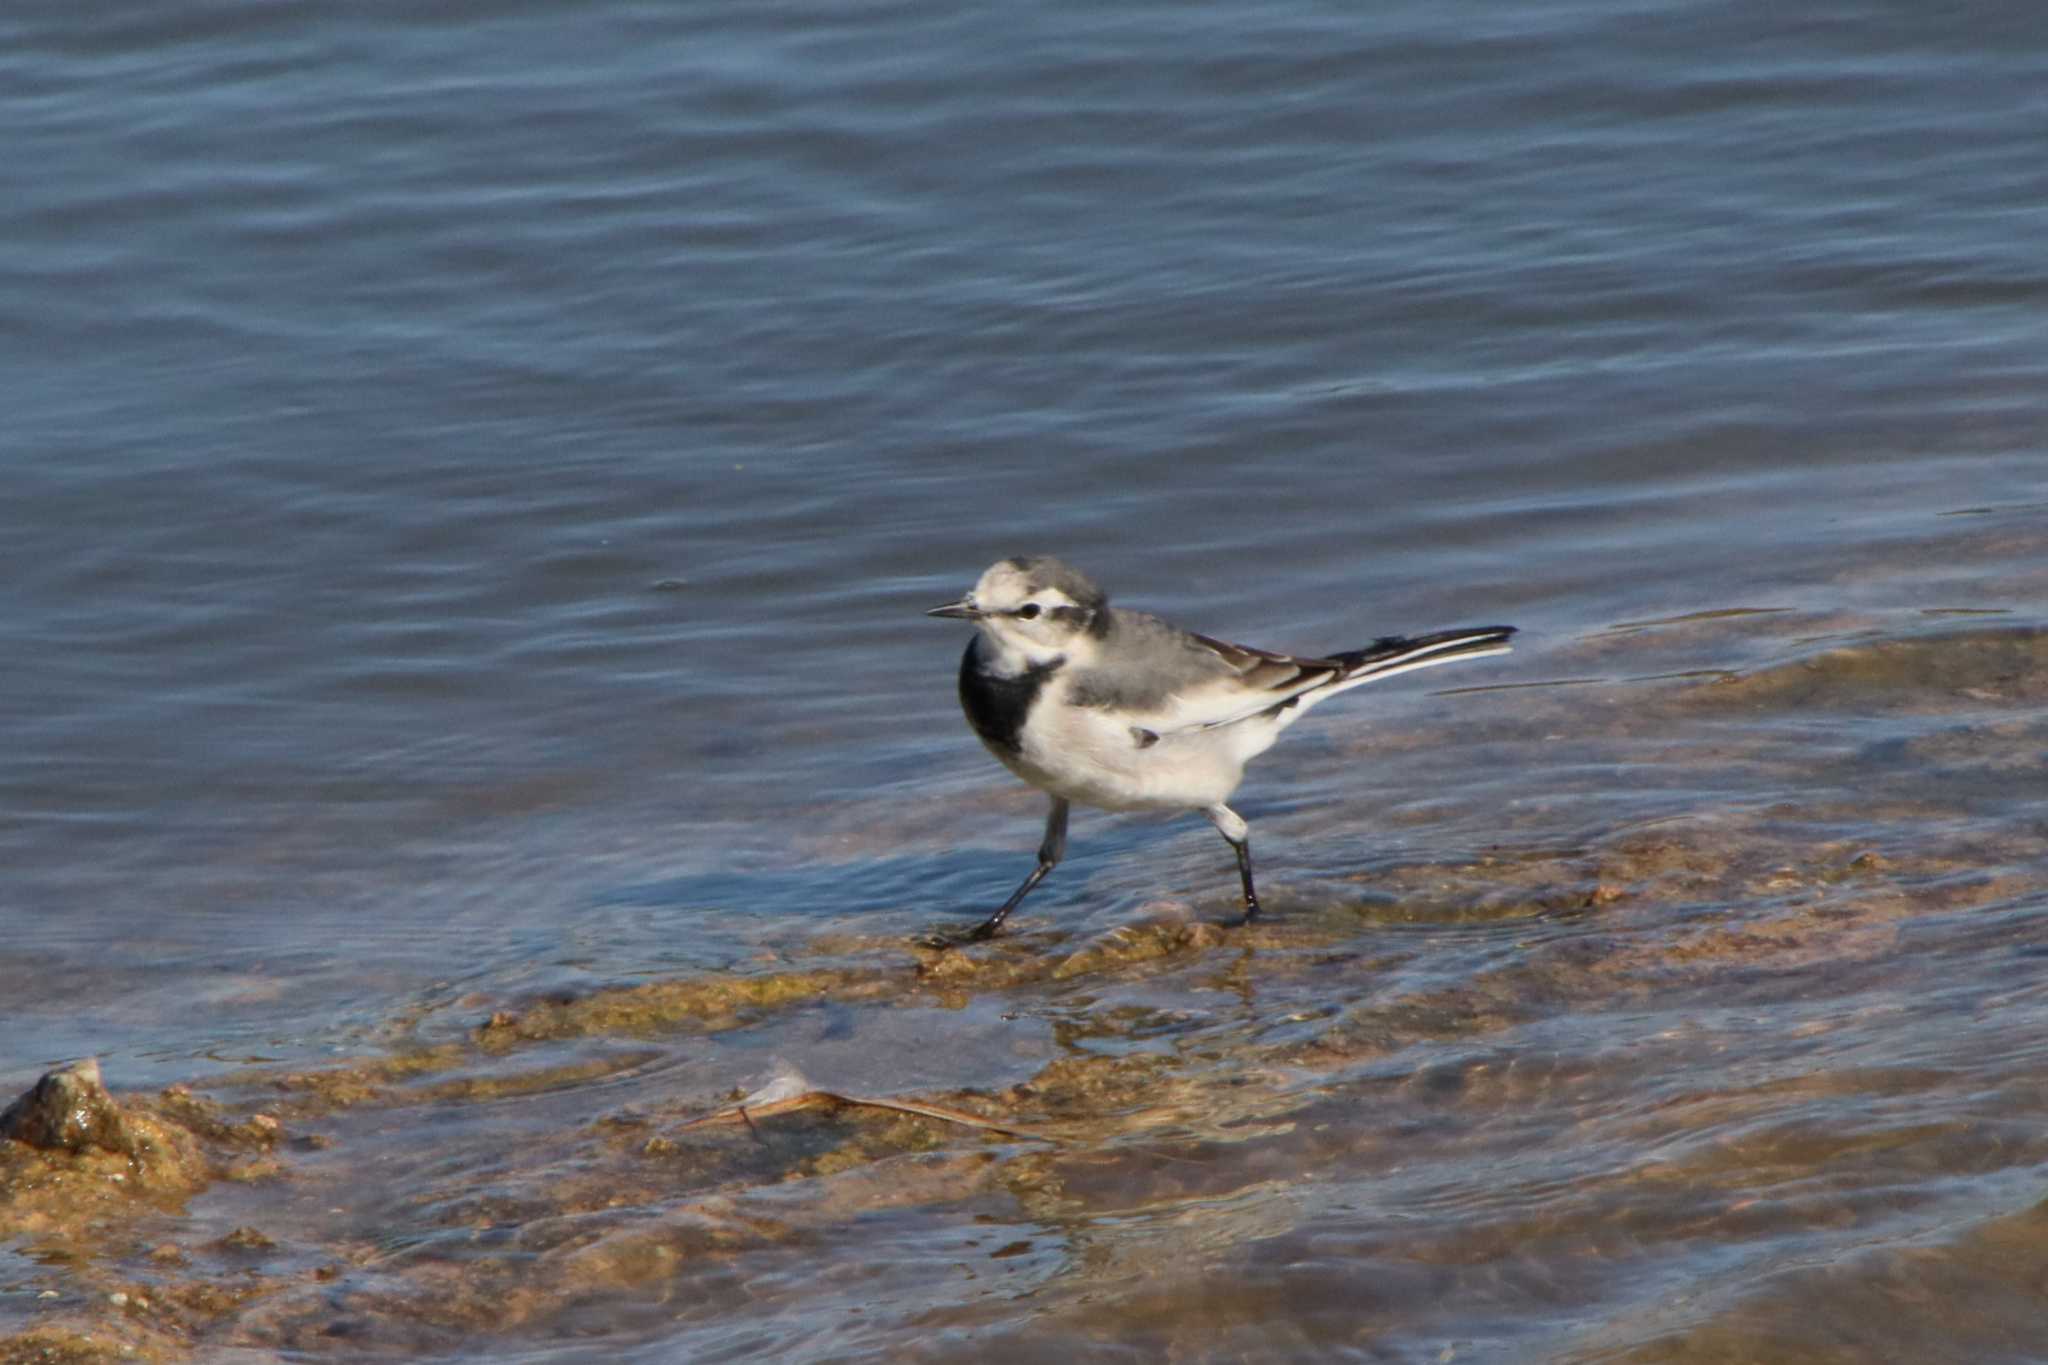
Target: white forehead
x: 1005, y: 585
x: 1003, y: 582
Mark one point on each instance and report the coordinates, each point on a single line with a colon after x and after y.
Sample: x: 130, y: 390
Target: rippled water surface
x: 470, y: 483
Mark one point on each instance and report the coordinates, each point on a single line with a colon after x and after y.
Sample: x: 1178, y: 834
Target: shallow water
x: 468, y: 495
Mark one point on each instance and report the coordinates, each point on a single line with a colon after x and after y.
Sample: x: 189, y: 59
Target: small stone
x: 258, y: 1168
x: 69, y: 1110
x: 248, y: 1239
x: 948, y: 965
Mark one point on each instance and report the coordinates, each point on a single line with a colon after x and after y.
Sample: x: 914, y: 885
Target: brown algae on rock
x: 82, y: 1174
x: 662, y: 1006
x: 69, y: 1145
x: 1928, y: 673
x: 1653, y: 993
x: 1142, y: 1116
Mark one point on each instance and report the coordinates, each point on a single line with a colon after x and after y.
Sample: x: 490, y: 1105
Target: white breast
x: 1092, y: 755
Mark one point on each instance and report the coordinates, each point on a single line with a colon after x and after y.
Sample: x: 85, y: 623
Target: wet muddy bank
x: 1724, y: 1082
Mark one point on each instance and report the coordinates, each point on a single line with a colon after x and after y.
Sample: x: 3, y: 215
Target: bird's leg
x: 1050, y: 851
x: 1237, y: 833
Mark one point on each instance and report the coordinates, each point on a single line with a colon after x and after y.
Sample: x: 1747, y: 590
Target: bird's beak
x: 963, y: 610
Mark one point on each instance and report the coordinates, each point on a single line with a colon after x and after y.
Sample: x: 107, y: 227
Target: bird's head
x: 1034, y: 607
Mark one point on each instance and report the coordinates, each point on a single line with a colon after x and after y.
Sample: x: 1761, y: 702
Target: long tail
x: 1385, y: 657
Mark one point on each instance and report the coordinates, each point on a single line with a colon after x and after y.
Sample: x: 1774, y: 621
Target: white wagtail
x: 1117, y: 709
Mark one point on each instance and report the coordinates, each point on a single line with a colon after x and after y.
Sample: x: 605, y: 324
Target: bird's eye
x: 1029, y: 611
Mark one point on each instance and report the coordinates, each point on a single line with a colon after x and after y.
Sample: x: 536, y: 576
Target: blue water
x: 471, y: 476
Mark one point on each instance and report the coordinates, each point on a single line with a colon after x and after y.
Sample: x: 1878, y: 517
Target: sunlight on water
x: 473, y: 488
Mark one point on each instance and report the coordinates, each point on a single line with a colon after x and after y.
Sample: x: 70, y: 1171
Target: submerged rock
x: 70, y: 1154
x: 69, y: 1110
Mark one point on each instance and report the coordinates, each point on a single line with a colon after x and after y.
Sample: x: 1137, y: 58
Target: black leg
x: 1244, y: 872
x: 1237, y: 834
x: 1050, y: 851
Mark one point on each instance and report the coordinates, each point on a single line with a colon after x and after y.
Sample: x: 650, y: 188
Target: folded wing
x: 1258, y: 682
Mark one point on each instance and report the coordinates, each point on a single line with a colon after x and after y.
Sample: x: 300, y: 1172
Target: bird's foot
x: 943, y: 939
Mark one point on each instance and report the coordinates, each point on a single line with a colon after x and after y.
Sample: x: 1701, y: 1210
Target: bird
x: 1117, y: 709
